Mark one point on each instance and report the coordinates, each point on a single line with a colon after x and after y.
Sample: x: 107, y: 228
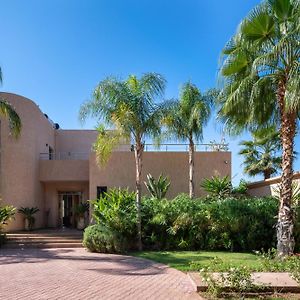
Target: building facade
x: 55, y: 169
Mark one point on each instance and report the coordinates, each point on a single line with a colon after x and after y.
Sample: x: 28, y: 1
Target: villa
x: 55, y: 169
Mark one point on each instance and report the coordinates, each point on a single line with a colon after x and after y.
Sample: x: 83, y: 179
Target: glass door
x: 67, y: 204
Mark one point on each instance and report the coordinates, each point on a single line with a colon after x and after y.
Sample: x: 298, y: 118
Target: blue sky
x: 56, y: 51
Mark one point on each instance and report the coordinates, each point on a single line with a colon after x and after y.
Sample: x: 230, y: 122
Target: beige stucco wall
x: 266, y: 187
x: 78, y: 141
x: 120, y: 170
x: 20, y: 184
x: 64, y: 170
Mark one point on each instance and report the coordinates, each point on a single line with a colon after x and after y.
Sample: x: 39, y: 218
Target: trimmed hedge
x: 98, y: 238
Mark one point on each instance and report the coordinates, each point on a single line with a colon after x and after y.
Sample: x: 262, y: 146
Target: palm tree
x: 261, y: 154
x: 185, y: 119
x: 261, y: 84
x: 7, y: 111
x: 129, y: 106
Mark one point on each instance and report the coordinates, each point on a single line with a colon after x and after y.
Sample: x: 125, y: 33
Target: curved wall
x: 20, y: 183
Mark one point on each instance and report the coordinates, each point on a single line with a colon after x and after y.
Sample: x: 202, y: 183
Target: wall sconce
x: 226, y: 162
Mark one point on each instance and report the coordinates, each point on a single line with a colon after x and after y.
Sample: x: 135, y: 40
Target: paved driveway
x: 78, y: 274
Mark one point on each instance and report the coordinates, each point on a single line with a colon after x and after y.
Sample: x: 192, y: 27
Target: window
x: 101, y: 190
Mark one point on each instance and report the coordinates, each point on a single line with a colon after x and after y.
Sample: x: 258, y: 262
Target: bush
x: 7, y: 213
x: 157, y: 188
x: 231, y: 224
x: 235, y: 224
x: 116, y: 213
x: 98, y: 238
x: 216, y: 186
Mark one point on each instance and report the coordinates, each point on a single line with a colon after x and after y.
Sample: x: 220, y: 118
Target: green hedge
x: 236, y: 224
x: 98, y: 238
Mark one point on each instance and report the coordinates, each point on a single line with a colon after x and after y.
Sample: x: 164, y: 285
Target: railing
x: 184, y: 147
x: 147, y: 147
x: 65, y: 156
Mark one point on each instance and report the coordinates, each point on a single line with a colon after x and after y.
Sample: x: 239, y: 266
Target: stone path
x: 77, y: 274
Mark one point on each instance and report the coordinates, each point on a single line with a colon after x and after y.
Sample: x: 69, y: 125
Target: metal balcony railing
x: 185, y: 147
x: 65, y: 156
x: 147, y: 147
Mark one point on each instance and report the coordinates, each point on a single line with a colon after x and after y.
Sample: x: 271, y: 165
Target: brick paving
x: 38, y: 274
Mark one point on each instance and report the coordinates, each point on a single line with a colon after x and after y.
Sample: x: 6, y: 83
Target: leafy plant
x: 28, y: 213
x: 235, y: 280
x: 241, y: 189
x: 217, y: 186
x: 99, y: 238
x: 81, y: 209
x: 7, y: 213
x: 157, y: 188
x: 116, y: 211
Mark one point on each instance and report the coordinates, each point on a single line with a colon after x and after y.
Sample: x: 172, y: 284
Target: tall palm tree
x: 7, y: 111
x: 129, y: 107
x: 262, y: 153
x: 261, y: 85
x: 185, y: 119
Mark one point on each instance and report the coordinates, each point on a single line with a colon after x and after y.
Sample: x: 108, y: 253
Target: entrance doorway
x: 68, y: 201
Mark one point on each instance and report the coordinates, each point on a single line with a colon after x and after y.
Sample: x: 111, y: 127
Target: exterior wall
x: 20, y: 183
x: 120, y: 170
x: 80, y: 142
x: 266, y: 187
x: 77, y: 141
x: 51, y: 190
x: 64, y: 170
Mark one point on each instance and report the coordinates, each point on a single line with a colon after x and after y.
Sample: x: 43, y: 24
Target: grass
x: 196, y: 260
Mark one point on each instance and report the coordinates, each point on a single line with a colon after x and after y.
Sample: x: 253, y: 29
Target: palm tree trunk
x: 191, y: 168
x: 139, y: 148
x: 285, y: 223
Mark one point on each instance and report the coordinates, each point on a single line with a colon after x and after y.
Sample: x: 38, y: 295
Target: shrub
x: 28, y: 213
x: 7, y: 213
x: 98, y: 238
x: 157, y: 188
x: 217, y: 186
x: 241, y: 189
x: 233, y: 224
x: 236, y: 224
x: 115, y: 211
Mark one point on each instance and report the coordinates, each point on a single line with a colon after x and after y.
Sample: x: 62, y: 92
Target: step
x: 42, y: 245
x: 33, y: 238
x: 43, y: 234
x: 30, y: 241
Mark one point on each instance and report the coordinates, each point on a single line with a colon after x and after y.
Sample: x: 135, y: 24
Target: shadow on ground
x: 121, y: 264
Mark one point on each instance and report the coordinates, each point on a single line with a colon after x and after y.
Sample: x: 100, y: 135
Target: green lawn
x: 196, y: 260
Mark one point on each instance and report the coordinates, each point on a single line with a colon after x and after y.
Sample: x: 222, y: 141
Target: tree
x: 185, y: 118
x: 262, y: 153
x: 8, y: 112
x: 261, y: 85
x: 129, y: 107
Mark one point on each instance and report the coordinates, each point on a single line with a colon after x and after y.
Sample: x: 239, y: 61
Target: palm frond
x: 8, y: 111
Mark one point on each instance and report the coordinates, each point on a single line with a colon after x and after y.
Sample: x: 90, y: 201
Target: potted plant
x: 28, y: 213
x: 80, y: 211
